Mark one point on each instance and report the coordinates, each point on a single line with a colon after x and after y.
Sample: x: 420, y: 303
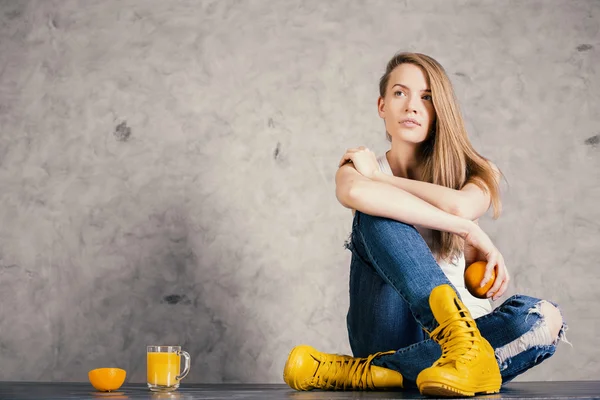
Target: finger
x: 494, y: 293
x: 350, y: 153
x: 347, y: 157
x: 491, y: 264
x: 500, y: 278
x: 354, y: 149
x: 501, y: 291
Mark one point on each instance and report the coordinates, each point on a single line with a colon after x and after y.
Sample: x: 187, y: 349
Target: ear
x: 381, y: 107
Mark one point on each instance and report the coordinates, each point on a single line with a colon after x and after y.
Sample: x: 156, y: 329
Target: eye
x: 398, y: 92
x: 427, y: 97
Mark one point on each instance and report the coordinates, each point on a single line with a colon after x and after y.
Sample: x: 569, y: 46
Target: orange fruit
x: 474, y: 275
x: 107, y: 379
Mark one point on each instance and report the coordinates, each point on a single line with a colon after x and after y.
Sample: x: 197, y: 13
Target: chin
x: 410, y: 136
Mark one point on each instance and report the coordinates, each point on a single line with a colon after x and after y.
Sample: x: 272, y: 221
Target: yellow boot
x: 307, y: 369
x: 468, y: 364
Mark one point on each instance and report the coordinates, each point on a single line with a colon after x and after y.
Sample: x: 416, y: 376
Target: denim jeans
x: 392, y: 274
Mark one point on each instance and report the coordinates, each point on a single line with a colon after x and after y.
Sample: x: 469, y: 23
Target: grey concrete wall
x: 167, y: 171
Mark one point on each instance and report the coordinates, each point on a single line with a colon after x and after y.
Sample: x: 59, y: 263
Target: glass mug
x: 164, y: 365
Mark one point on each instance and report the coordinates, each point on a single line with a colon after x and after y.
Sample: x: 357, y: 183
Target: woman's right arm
x: 355, y: 191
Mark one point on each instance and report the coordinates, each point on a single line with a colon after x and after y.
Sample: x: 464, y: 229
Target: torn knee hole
x: 552, y: 316
x: 545, y: 332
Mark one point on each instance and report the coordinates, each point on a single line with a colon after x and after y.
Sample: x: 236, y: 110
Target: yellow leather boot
x: 307, y: 369
x: 468, y: 364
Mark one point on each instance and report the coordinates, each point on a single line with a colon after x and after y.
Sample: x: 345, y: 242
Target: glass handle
x: 186, y: 368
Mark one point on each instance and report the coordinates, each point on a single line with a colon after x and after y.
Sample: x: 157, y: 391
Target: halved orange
x: 107, y: 379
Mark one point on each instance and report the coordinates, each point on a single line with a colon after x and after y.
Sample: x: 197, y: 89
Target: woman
x: 411, y: 320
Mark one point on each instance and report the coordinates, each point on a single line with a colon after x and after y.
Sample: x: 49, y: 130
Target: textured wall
x: 167, y: 171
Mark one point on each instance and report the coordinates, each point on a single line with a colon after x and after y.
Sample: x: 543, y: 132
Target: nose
x: 412, y: 105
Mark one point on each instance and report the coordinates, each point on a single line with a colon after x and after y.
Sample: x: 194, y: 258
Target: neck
x: 403, y: 160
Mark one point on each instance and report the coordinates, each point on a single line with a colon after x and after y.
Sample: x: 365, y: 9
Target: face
x: 407, y: 108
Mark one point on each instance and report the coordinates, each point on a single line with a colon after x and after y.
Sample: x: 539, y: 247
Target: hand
x: 477, y: 238
x: 364, y: 161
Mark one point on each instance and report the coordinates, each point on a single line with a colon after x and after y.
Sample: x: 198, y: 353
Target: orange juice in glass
x: 164, y: 365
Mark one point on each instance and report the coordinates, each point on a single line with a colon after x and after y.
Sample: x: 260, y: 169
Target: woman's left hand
x: 472, y: 254
x: 364, y: 161
x: 502, y: 279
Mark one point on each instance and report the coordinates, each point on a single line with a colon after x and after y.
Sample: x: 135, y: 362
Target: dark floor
x: 516, y: 390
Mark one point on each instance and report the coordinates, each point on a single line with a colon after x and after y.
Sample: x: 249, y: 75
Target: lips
x: 410, y: 121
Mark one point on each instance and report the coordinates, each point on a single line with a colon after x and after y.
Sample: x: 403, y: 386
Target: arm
x: 470, y: 202
x: 353, y: 190
x: 471, y: 253
x: 358, y: 192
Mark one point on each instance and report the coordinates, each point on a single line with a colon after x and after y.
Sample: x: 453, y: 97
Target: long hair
x: 447, y: 156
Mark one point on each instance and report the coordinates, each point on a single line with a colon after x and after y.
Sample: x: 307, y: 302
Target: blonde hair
x: 447, y: 156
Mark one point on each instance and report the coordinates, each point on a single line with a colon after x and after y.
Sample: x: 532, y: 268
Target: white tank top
x: 454, y: 270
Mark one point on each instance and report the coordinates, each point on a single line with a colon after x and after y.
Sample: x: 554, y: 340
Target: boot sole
x: 437, y: 389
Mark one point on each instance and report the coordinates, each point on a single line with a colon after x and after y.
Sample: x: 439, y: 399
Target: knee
x: 542, y: 332
x: 373, y: 225
x: 534, y: 321
x: 549, y: 326
x: 553, y: 318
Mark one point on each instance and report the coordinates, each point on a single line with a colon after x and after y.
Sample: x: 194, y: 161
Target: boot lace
x: 458, y: 339
x: 337, y: 372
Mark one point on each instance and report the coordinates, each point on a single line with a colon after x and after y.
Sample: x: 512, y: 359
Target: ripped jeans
x: 391, y: 276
